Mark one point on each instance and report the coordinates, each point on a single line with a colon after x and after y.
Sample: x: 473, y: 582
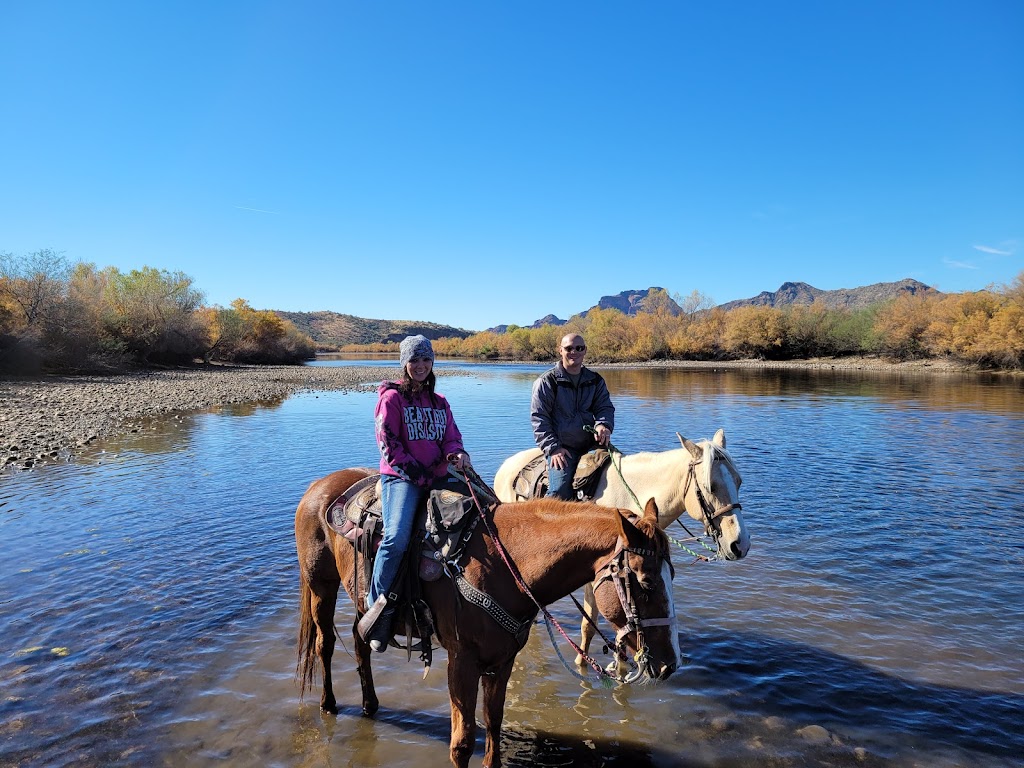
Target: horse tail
x: 306, y: 664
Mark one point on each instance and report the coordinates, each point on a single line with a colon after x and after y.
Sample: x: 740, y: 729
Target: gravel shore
x: 48, y: 417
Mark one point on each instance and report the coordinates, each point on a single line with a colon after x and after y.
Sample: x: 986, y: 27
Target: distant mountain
x: 546, y: 320
x: 631, y: 302
x: 842, y: 298
x: 336, y: 330
x: 627, y: 302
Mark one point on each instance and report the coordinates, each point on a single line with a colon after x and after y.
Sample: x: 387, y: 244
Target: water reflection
x: 943, y: 391
x: 147, y: 602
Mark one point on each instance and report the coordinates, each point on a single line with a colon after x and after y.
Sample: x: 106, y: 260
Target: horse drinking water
x: 537, y: 550
x: 699, y: 479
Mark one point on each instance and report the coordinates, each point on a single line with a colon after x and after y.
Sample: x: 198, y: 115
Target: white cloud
x: 255, y: 210
x: 959, y: 264
x: 995, y: 251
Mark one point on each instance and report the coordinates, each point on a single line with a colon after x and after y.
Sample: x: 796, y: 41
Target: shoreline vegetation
x: 48, y: 418
x: 76, y: 318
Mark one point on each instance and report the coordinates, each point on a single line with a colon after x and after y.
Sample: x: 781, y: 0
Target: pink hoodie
x: 414, y: 436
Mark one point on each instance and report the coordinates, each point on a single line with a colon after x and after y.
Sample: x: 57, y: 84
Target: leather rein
x: 616, y: 569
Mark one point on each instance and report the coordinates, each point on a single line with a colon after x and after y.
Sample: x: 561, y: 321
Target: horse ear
x: 651, y: 511
x: 634, y: 538
x: 689, y: 445
x: 719, y: 438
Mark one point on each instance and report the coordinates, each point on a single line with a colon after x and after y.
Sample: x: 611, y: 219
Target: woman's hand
x: 459, y: 460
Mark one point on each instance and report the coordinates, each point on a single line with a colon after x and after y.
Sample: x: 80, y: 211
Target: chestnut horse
x: 555, y: 547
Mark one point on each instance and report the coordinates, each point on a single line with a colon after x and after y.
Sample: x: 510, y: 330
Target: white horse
x: 699, y: 479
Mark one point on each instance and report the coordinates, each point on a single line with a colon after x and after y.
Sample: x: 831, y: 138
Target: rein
x: 619, y: 573
x: 709, y: 516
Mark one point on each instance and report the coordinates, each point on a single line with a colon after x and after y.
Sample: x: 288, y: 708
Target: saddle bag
x: 448, y: 513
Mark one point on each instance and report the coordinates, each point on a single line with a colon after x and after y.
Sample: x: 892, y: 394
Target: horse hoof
x: 330, y: 709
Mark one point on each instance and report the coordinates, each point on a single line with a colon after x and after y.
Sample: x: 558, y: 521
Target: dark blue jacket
x: 559, y: 411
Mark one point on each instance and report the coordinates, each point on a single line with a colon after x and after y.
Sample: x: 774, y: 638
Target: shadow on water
x: 528, y: 748
x: 807, y: 685
x: 743, y: 700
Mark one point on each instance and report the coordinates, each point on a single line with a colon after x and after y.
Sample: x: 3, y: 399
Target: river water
x: 148, y: 588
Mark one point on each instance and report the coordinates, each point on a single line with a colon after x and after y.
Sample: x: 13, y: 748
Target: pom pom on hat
x: 414, y: 346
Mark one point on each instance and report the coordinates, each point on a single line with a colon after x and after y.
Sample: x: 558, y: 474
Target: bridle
x: 709, y: 513
x: 618, y: 571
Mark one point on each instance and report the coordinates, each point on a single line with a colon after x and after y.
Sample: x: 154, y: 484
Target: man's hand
x: 560, y: 458
x: 603, y: 435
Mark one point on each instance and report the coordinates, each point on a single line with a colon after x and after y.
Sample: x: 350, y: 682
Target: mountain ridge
x: 334, y: 329
x: 793, y: 293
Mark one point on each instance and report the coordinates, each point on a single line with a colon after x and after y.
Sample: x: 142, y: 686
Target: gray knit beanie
x: 414, y: 346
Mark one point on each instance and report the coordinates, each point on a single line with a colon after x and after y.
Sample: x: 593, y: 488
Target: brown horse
x: 555, y: 546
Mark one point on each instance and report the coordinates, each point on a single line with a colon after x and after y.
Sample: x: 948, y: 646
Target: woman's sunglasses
x: 577, y: 348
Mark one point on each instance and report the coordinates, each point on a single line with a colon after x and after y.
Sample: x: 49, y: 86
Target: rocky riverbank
x: 47, y: 417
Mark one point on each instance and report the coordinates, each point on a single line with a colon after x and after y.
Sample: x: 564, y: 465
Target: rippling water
x: 148, y: 589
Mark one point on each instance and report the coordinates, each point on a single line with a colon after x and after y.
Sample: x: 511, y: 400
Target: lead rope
x: 612, y: 450
x: 469, y: 473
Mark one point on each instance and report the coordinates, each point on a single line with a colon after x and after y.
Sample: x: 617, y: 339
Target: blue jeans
x: 400, y: 502
x: 560, y: 480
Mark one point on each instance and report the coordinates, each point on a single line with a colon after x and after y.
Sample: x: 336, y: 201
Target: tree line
x: 59, y: 316
x: 983, y: 328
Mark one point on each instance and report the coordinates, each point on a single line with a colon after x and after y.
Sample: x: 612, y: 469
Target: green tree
x: 154, y: 313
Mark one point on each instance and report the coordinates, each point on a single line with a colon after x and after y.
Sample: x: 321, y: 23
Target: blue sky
x: 477, y: 163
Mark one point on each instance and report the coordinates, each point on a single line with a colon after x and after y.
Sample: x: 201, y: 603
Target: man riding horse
x: 566, y: 401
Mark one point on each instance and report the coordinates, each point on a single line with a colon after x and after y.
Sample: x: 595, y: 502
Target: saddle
x: 532, y: 480
x: 445, y: 525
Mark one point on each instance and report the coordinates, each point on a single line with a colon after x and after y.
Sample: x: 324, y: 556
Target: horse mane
x: 711, y: 452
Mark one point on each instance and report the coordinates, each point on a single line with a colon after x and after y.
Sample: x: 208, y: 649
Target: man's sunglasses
x: 577, y: 348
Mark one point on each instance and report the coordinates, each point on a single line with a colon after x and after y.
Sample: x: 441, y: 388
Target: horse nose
x: 737, y: 550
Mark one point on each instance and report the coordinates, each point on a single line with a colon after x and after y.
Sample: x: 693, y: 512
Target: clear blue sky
x: 482, y: 162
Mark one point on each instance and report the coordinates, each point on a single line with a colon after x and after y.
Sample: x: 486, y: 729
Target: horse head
x: 712, y: 495
x: 634, y: 592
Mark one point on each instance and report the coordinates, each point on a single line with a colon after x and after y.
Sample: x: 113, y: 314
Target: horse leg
x: 323, y: 600
x: 494, y: 687
x: 463, y: 683
x: 587, y: 630
x: 363, y: 654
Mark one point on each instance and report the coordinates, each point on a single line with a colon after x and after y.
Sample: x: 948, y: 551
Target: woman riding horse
x: 521, y: 557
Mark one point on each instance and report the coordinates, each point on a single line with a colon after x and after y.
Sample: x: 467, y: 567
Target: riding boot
x: 375, y: 625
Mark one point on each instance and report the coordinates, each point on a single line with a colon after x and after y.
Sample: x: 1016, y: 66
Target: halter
x: 617, y: 570
x: 708, y: 512
x: 707, y: 509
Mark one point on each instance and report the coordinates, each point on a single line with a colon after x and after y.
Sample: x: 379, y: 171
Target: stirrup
x: 375, y: 624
